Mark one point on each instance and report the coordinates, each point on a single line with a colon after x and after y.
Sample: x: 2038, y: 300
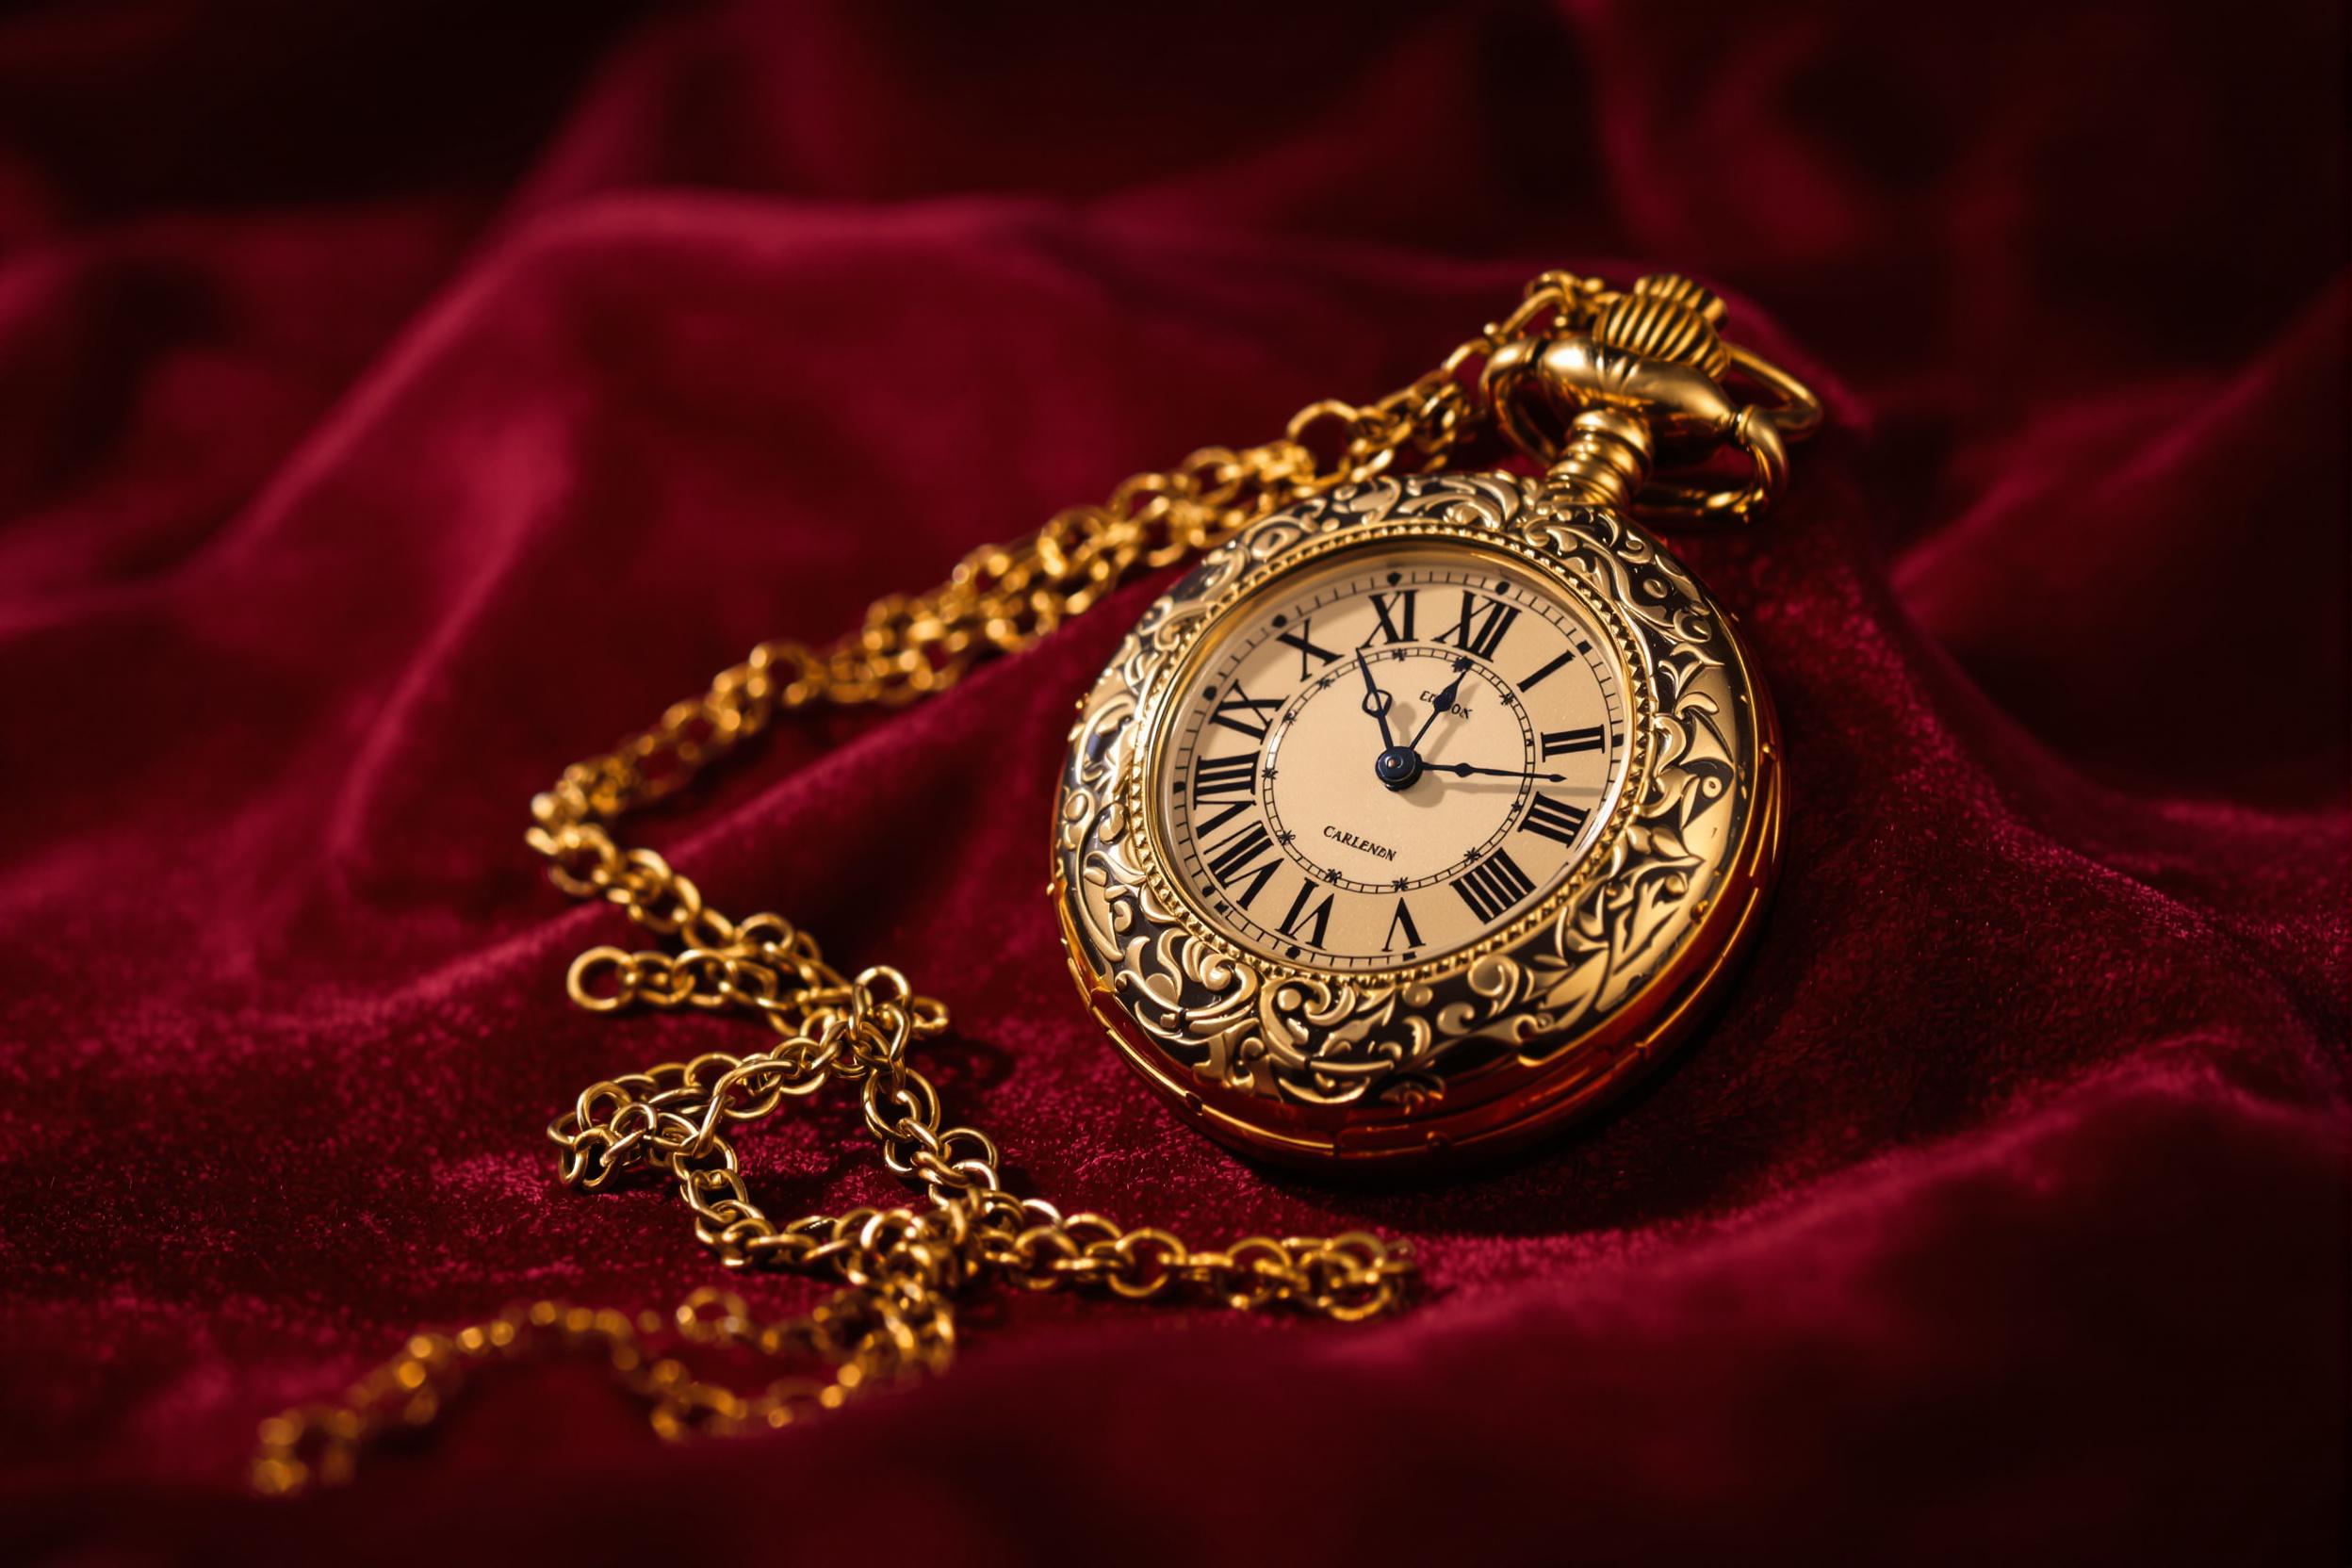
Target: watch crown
x: 1666, y: 316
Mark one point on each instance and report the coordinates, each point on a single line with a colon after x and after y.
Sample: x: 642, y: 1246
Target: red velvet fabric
x: 400, y: 400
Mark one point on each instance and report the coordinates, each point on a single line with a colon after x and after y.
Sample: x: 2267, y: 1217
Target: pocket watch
x: 1423, y: 812
x: 1428, y: 812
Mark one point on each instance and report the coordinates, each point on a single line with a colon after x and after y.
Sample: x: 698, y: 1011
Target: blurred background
x: 2046, y: 244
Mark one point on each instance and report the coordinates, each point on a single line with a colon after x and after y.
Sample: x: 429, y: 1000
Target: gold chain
x: 899, y: 1271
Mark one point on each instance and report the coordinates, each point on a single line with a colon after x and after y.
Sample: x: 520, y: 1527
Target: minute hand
x: 1464, y: 770
x: 1437, y: 705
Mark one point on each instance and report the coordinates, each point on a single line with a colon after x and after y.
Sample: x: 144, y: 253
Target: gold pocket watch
x: 1425, y: 813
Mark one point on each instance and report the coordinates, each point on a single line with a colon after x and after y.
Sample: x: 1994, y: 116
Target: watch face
x: 1388, y: 756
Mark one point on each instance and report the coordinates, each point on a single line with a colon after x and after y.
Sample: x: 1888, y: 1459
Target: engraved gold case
x: 1346, y: 881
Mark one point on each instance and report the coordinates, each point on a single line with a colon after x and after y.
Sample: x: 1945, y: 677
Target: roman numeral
x: 1242, y: 711
x: 1307, y: 647
x: 1232, y: 859
x: 1320, y: 916
x: 1493, y: 886
x: 1223, y: 776
x: 1479, y: 631
x: 1532, y: 681
x: 1559, y: 741
x: 1554, y: 819
x: 1396, y: 613
x: 1402, y: 917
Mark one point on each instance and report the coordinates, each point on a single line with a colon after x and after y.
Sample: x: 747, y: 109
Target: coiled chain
x: 899, y: 1271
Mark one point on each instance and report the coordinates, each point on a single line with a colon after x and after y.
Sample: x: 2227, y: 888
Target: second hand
x: 1465, y: 770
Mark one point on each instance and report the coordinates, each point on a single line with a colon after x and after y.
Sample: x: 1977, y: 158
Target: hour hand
x: 1376, y: 702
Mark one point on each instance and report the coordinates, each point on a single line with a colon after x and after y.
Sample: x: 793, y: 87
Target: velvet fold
x: 398, y: 402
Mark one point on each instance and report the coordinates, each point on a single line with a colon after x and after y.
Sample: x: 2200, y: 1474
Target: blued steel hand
x: 1376, y: 702
x: 1444, y: 700
x: 1464, y: 770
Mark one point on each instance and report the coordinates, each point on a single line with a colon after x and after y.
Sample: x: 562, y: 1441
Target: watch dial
x: 1388, y: 757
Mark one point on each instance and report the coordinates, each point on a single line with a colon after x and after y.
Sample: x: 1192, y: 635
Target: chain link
x: 899, y: 1271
